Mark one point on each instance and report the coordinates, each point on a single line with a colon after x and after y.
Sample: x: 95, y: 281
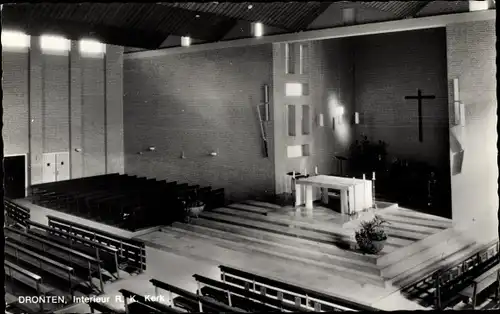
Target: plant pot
x: 378, y: 245
x: 195, y: 211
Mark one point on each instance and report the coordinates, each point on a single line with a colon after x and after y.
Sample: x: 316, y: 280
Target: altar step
x: 243, y: 220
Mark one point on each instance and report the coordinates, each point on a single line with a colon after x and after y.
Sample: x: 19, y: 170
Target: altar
x: 355, y: 194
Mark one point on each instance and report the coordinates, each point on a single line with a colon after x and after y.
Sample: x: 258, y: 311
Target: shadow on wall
x: 202, y: 107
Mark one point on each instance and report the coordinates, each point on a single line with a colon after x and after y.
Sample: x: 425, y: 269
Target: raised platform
x: 325, y: 240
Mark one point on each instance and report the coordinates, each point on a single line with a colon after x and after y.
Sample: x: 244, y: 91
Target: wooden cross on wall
x: 419, y: 98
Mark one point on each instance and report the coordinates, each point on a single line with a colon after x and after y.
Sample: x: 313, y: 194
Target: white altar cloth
x: 355, y: 194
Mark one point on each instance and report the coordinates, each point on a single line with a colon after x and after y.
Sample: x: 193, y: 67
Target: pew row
x: 293, y: 294
x: 15, y: 215
x: 131, y: 252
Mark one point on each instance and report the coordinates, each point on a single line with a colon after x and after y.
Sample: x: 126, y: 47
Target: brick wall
x: 471, y: 58
x: 197, y: 103
x: 389, y: 67
x: 52, y: 104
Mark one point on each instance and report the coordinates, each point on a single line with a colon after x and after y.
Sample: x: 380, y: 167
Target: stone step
x: 343, y: 268
x: 333, y: 239
x: 417, y: 221
x: 413, y: 228
x: 329, y: 249
x: 396, y: 237
x: 250, y: 208
x: 401, y: 211
x: 262, y: 204
x: 414, y: 248
x: 311, y: 252
x: 433, y: 265
x: 415, y: 262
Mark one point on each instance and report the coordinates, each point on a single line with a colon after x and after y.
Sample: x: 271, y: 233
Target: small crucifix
x: 419, y: 98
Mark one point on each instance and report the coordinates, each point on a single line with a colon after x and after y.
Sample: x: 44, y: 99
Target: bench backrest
x: 156, y: 305
x: 23, y: 271
x: 278, y: 303
x: 287, y: 288
x: 59, y: 247
x: 16, y: 213
x: 220, y: 307
x: 39, y: 257
x: 131, y: 251
x: 102, y: 308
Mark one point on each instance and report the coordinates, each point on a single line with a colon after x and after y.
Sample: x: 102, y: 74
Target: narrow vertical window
x: 304, y: 58
x: 291, y: 120
x: 290, y: 58
x: 306, y: 120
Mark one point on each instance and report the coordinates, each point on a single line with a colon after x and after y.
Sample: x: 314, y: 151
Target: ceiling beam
x: 35, y: 26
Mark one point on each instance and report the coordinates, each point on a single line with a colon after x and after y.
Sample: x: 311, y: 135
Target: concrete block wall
x: 198, y: 103
x: 471, y: 57
x: 58, y: 103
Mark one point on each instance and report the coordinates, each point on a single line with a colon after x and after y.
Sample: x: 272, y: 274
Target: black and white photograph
x: 250, y: 157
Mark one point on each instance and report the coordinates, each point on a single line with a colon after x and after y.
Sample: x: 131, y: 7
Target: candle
x: 293, y: 174
x: 305, y: 171
x: 356, y: 117
x: 364, y: 177
x: 373, y: 176
x: 316, y: 170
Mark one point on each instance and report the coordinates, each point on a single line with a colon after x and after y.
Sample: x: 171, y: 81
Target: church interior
x: 250, y: 157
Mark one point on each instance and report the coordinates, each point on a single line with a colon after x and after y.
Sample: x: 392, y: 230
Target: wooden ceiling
x: 147, y: 25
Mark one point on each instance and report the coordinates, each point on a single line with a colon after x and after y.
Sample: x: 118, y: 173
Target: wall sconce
x: 458, y: 106
x: 321, y: 120
x: 151, y: 148
x: 182, y: 155
x: 356, y: 118
x: 213, y: 154
x: 78, y: 150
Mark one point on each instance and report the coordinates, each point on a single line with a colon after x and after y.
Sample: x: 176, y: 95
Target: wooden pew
x: 85, y: 266
x: 26, y: 277
x: 449, y: 280
x: 16, y: 215
x: 132, y: 253
x: 187, y: 299
x: 108, y: 255
x: 153, y: 304
x: 43, y: 265
x: 103, y: 308
x: 481, y: 283
x: 311, y: 299
x: 245, y: 299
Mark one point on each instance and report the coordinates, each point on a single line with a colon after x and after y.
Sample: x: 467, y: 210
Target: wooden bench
x: 318, y: 301
x: 102, y: 308
x: 245, y: 299
x: 132, y: 253
x: 26, y: 277
x: 42, y: 264
x: 188, y: 298
x: 108, y: 255
x: 15, y: 214
x: 83, y: 264
x: 138, y: 298
x: 481, y: 283
x: 450, y: 281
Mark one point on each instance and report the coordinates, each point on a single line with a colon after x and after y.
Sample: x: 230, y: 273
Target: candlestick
x: 305, y: 171
x: 373, y: 176
x: 293, y: 174
x: 316, y: 170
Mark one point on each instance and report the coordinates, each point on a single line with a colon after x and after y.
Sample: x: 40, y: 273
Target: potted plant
x: 372, y: 236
